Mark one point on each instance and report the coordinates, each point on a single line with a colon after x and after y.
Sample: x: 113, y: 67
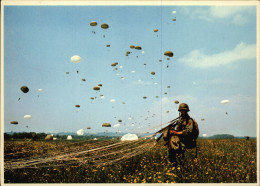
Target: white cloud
x: 238, y: 14
x: 198, y: 59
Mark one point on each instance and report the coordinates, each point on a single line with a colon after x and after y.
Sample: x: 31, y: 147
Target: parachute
x: 49, y: 137
x: 168, y: 53
x: 155, y: 30
x: 106, y: 125
x: 100, y: 85
x: 92, y: 98
x: 225, y: 101
x: 114, y: 64
x: 69, y: 138
x: 132, y: 46
x: 132, y: 71
x: 176, y: 102
x: 67, y: 72
x: 202, y: 119
x: 153, y: 73
x: 14, y: 122
x: 138, y: 48
x: 168, y: 86
x: 24, y: 89
x: 119, y: 120
x: 89, y: 128
x: 75, y: 59
x: 77, y: 106
x: 108, y: 45
x: 83, y: 79
x: 80, y: 132
x: 174, y: 19
x: 112, y: 100
x: 93, y: 23
x: 40, y: 90
x: 144, y: 97
x: 129, y: 137
x: 105, y: 26
x: 96, y: 88
x: 27, y: 116
x: 116, y: 125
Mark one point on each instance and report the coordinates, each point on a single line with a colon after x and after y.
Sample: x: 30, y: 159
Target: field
x: 143, y: 161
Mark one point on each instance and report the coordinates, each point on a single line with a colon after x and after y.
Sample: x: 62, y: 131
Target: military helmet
x: 183, y: 106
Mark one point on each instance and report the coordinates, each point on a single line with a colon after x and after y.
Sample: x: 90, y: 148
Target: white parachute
x: 225, y: 101
x: 27, y: 116
x: 75, y: 59
x: 129, y: 137
x: 69, y: 138
x: 80, y: 132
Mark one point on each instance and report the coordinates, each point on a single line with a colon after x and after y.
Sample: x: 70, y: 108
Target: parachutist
x: 104, y: 36
x: 19, y: 99
x: 77, y: 71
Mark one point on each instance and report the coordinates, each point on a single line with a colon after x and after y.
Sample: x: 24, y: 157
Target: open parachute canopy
x: 176, y: 102
x: 89, y: 128
x: 104, y: 26
x: 96, y: 88
x: 24, y: 89
x: 106, y: 125
x: 93, y: 23
x: 132, y: 46
x: 153, y: 73
x: 168, y: 53
x: 138, y: 48
x: 155, y: 30
x: 83, y: 79
x: 27, y: 116
x: 226, y: 101
x: 14, y: 122
x: 77, y: 105
x: 75, y: 59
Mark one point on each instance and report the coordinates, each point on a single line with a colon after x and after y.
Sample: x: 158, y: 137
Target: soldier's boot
x: 172, y: 156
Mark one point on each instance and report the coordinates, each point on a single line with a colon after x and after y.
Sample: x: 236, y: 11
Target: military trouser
x: 175, y: 147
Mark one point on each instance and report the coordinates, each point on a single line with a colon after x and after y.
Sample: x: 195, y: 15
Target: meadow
x: 219, y: 161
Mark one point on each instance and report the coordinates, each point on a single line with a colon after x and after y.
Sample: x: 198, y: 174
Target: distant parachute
x: 153, y: 73
x: 167, y: 111
x: 106, y: 125
x: 27, y: 116
x: 225, y: 101
x: 77, y: 105
x: 155, y: 30
x: 80, y: 132
x: 144, y: 97
x: 75, y: 59
x: 89, y: 128
x: 174, y: 19
x: 92, y: 98
x: 132, y: 46
x: 40, y: 90
x: 83, y: 79
x: 108, y: 45
x: 138, y: 48
x: 114, y: 64
x: 116, y: 125
x: 168, y: 86
x: 96, y: 88
x: 25, y: 89
x: 168, y: 53
x: 176, y: 102
x: 202, y: 119
x: 14, y: 122
x: 119, y: 120
x: 93, y: 23
x: 132, y: 71
x: 104, y: 26
x: 100, y: 85
x: 67, y: 72
x: 112, y: 100
x: 69, y: 138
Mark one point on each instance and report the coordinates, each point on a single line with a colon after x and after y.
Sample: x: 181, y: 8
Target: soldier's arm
x: 188, y: 129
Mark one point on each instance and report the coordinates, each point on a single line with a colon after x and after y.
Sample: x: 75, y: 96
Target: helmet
x: 183, y: 106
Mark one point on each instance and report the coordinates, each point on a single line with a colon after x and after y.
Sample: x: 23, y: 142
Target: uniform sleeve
x: 189, y: 128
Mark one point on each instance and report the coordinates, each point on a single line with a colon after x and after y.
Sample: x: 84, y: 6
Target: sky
x: 214, y: 59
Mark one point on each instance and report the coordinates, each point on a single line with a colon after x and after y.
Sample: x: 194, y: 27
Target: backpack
x: 195, y: 132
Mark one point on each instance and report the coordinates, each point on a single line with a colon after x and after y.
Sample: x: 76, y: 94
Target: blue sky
x: 214, y: 59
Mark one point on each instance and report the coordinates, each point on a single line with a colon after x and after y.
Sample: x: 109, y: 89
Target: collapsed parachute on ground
x: 168, y: 53
x: 106, y: 125
x: 93, y: 23
x: 225, y: 101
x: 80, y: 132
x: 14, y: 122
x: 49, y: 137
x: 69, y: 138
x: 104, y: 26
x: 75, y: 59
x: 129, y: 137
x: 24, y: 89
